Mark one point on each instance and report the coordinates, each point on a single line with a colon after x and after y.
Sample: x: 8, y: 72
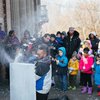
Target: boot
x: 84, y: 90
x: 90, y: 90
x: 98, y: 94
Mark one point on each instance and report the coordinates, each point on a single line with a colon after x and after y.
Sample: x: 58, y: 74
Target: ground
x: 54, y: 93
x: 73, y: 95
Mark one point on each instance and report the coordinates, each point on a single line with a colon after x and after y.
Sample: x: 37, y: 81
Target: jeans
x: 63, y: 82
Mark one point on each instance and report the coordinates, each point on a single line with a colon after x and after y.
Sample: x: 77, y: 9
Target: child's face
x: 85, y: 54
x: 63, y: 36
x: 60, y: 53
x: 58, y: 35
x: 52, y: 39
x: 98, y: 58
x: 74, y: 58
x: 86, y: 44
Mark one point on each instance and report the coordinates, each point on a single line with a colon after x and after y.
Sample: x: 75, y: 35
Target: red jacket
x: 85, y: 64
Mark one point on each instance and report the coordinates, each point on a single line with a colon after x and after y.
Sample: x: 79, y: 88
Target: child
x: 97, y: 73
x: 73, y: 71
x: 62, y: 62
x: 59, y: 38
x: 85, y: 66
x: 85, y: 44
x: 53, y: 52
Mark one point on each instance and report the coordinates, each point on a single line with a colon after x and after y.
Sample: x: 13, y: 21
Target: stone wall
x: 1, y: 14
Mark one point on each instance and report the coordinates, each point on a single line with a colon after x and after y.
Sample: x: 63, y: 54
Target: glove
x: 71, y: 68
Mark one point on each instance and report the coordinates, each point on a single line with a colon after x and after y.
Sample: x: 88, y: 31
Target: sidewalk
x: 54, y: 93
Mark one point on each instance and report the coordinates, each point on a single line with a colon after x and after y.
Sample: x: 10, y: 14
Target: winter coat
x: 97, y: 73
x: 40, y: 41
x: 43, y: 75
x: 53, y: 53
x: 64, y: 41
x: 63, y: 61
x: 53, y: 48
x: 12, y: 41
x: 72, y: 44
x: 74, y: 65
x: 86, y: 64
x: 94, y: 43
x: 2, y: 35
x: 11, y: 44
x: 60, y: 41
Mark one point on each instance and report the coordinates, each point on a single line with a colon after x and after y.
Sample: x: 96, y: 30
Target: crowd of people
x: 63, y: 54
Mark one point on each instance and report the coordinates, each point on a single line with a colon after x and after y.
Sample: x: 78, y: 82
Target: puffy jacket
x: 74, y: 65
x: 72, y: 44
x: 53, y: 50
x: 63, y: 61
x: 43, y: 75
x: 94, y: 43
x: 86, y: 64
x: 97, y: 74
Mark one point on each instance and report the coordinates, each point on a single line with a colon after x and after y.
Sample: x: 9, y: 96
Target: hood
x: 89, y: 42
x: 76, y: 34
x: 94, y: 33
x: 63, y: 50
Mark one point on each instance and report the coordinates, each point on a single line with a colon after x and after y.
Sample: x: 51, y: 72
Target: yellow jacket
x: 74, y: 65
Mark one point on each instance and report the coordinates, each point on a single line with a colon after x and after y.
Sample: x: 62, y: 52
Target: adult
x: 94, y: 41
x: 72, y: 42
x: 26, y: 43
x: 26, y: 38
x: 42, y: 40
x: 2, y: 39
x: 64, y: 36
x: 2, y: 35
x: 43, y: 73
x: 11, y: 43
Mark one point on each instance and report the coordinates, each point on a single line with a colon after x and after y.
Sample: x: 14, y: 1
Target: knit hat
x: 53, y: 35
x: 71, y: 28
x: 74, y: 54
x: 64, y: 33
x: 94, y: 33
x: 88, y: 41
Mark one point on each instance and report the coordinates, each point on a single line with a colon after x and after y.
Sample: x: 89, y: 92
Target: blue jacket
x: 97, y: 74
x: 63, y: 61
x: 43, y: 75
x: 59, y: 41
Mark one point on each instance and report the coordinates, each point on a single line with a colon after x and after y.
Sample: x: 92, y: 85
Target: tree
x: 87, y: 16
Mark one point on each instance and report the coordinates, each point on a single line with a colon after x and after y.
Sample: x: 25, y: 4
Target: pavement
x: 54, y: 93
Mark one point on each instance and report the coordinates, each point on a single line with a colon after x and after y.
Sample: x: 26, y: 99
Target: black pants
x: 81, y: 78
x: 72, y: 80
x: 87, y: 80
x: 41, y: 96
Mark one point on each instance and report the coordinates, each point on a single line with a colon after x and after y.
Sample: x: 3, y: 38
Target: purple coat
x: 12, y: 41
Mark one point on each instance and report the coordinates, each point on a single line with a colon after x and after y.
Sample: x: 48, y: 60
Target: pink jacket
x: 85, y: 64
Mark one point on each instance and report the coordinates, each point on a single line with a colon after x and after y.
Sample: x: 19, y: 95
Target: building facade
x: 20, y: 15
